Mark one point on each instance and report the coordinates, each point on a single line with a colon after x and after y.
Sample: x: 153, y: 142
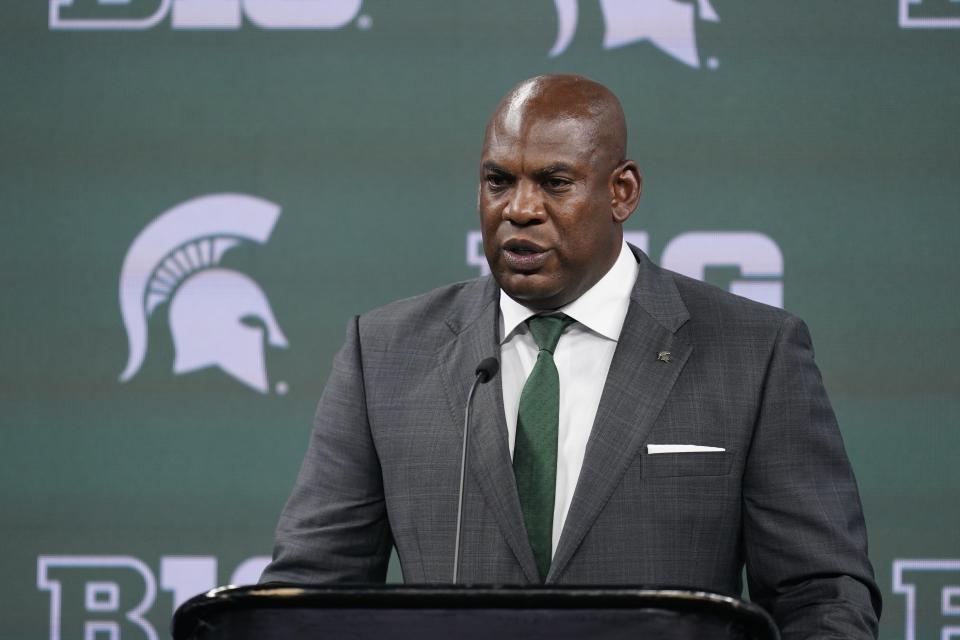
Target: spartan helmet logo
x: 176, y: 258
x: 669, y: 24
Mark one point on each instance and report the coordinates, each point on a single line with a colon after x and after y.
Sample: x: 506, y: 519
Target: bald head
x: 555, y: 189
x: 588, y: 105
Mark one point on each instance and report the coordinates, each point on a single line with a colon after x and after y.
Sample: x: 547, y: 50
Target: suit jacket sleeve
x: 334, y: 527
x: 804, y: 535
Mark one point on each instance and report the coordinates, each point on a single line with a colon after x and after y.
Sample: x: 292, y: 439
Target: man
x: 645, y: 429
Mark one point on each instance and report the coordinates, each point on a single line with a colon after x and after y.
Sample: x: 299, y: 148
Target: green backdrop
x: 822, y: 134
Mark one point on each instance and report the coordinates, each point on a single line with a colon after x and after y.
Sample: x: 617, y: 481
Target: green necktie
x: 535, y: 448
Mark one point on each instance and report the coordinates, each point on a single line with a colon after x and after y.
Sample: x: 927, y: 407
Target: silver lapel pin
x: 663, y: 356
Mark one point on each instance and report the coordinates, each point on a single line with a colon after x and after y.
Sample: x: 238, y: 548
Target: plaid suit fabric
x: 382, y: 467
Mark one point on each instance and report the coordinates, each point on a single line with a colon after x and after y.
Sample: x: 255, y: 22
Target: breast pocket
x: 672, y: 465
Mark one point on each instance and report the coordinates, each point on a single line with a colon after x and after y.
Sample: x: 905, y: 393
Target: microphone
x: 485, y: 372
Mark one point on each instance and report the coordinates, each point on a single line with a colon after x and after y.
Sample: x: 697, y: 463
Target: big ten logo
x: 111, y: 597
x: 754, y: 259
x: 929, y: 14
x: 204, y: 14
x: 932, y: 592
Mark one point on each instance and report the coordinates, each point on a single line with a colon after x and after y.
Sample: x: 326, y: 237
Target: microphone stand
x: 487, y: 368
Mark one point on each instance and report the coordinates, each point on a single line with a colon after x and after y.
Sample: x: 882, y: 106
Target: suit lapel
x: 637, y: 386
x: 489, y: 454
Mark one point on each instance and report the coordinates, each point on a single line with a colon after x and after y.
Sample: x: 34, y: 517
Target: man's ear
x: 626, y: 185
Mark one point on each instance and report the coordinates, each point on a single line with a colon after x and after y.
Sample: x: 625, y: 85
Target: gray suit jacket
x: 382, y: 466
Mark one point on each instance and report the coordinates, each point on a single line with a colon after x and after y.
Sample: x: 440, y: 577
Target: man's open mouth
x: 524, y: 255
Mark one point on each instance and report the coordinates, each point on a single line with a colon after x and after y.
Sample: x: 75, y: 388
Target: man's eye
x: 556, y: 184
x: 497, y: 181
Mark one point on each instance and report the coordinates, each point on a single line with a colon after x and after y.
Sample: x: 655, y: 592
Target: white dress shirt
x: 583, y: 358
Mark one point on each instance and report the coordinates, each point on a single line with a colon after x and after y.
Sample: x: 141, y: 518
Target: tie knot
x: 546, y: 330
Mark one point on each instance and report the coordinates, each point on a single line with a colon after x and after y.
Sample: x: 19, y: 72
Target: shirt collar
x: 602, y: 308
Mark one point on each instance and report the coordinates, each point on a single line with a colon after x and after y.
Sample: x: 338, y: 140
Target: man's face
x: 545, y: 198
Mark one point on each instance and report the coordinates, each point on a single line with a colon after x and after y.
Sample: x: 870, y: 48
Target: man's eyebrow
x: 492, y: 166
x: 550, y: 169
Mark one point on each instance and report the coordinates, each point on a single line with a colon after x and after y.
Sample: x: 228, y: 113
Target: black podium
x: 278, y: 612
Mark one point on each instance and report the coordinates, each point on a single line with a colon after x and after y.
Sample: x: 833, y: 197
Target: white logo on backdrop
x: 94, y: 596
x: 176, y: 259
x: 948, y: 18
x: 756, y: 255
x: 936, y: 582
x: 208, y: 14
x: 670, y: 25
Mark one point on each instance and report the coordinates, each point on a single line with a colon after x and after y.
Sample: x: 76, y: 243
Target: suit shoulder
x: 443, y: 311
x: 712, y: 306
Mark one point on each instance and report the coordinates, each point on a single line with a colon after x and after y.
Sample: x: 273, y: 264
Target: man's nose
x: 526, y: 205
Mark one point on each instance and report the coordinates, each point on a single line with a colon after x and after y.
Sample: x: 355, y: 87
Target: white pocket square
x: 680, y: 448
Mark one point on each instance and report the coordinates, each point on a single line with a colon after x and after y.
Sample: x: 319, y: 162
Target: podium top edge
x: 293, y: 596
